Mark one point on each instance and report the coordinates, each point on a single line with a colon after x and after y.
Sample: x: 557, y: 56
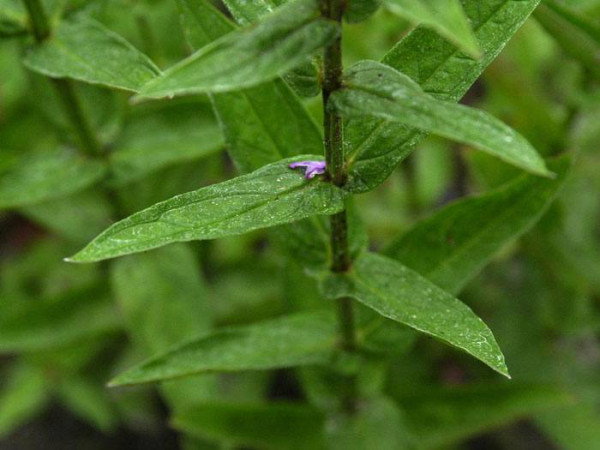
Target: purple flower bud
x: 313, y: 168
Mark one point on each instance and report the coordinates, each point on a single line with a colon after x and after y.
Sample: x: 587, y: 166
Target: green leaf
x: 445, y: 416
x: 88, y: 400
x: 402, y: 295
x: 573, y: 427
x: 452, y: 246
x: 154, y: 141
x: 56, y: 322
x: 446, y: 17
x: 373, y: 89
x: 577, y: 36
x: 37, y: 176
x: 244, y: 58
x: 202, y: 22
x: 84, y: 50
x: 378, y: 424
x: 270, y: 196
x: 23, y: 396
x: 295, y: 340
x: 376, y: 146
x: 277, y: 426
x: 246, y: 12
x: 359, y: 10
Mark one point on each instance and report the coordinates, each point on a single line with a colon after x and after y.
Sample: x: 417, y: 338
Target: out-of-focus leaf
x: 89, y: 401
x: 158, y: 140
x: 276, y: 426
x: 377, y: 90
x: 77, y: 217
x: 247, y: 12
x: 445, y: 416
x: 376, y: 146
x: 359, y: 10
x: 23, y: 396
x: 578, y: 38
x: 244, y: 58
x: 575, y: 427
x: 446, y: 17
x: 269, y: 196
x: 378, y: 424
x: 452, y: 246
x: 402, y: 295
x: 296, y: 340
x: 56, y: 322
x: 84, y: 50
x: 41, y: 175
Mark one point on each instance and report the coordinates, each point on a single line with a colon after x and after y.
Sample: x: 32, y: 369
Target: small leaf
x: 296, y: 340
x: 84, y: 50
x: 36, y: 176
x: 376, y: 146
x: 402, y: 295
x: 359, y: 10
x: 373, y: 89
x: 279, y: 43
x: 270, y: 196
x: 56, y: 322
x: 452, y: 246
x: 446, y: 17
x: 277, y: 426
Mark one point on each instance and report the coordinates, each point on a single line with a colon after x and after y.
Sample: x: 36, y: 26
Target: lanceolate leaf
x: 453, y: 245
x: 270, y: 196
x: 84, y: 50
x: 377, y: 90
x: 402, y: 295
x: 376, y: 146
x: 284, y: 40
x: 301, y: 339
x: 444, y: 16
x: 36, y: 176
x: 277, y: 426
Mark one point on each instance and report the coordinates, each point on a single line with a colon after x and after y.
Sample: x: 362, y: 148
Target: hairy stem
x: 334, y: 154
x: 81, y: 126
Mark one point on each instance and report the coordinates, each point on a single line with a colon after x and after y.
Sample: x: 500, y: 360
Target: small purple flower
x: 313, y: 168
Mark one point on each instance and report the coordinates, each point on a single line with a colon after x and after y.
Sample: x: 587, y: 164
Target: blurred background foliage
x: 65, y: 330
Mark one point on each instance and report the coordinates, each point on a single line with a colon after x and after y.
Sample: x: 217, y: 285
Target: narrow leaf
x: 373, y: 89
x: 400, y: 294
x: 36, y: 176
x: 270, y: 196
x: 296, y: 340
x: 377, y: 146
x: 446, y: 17
x: 277, y: 426
x: 56, y: 322
x: 155, y: 141
x: 452, y: 246
x: 282, y: 41
x: 84, y: 50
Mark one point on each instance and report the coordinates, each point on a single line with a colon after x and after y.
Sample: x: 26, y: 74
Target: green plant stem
x: 64, y: 88
x: 334, y: 155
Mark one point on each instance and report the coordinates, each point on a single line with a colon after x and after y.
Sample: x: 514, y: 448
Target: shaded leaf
x: 158, y: 140
x: 279, y: 43
x: 56, y: 322
x: 373, y: 89
x: 23, y: 396
x: 452, y: 246
x: 276, y: 426
x: 41, y: 175
x: 446, y: 17
x: 447, y: 415
x: 375, y: 146
x: 84, y: 50
x: 402, y: 295
x: 289, y: 341
x: 359, y: 10
x: 573, y: 427
x: 269, y: 196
